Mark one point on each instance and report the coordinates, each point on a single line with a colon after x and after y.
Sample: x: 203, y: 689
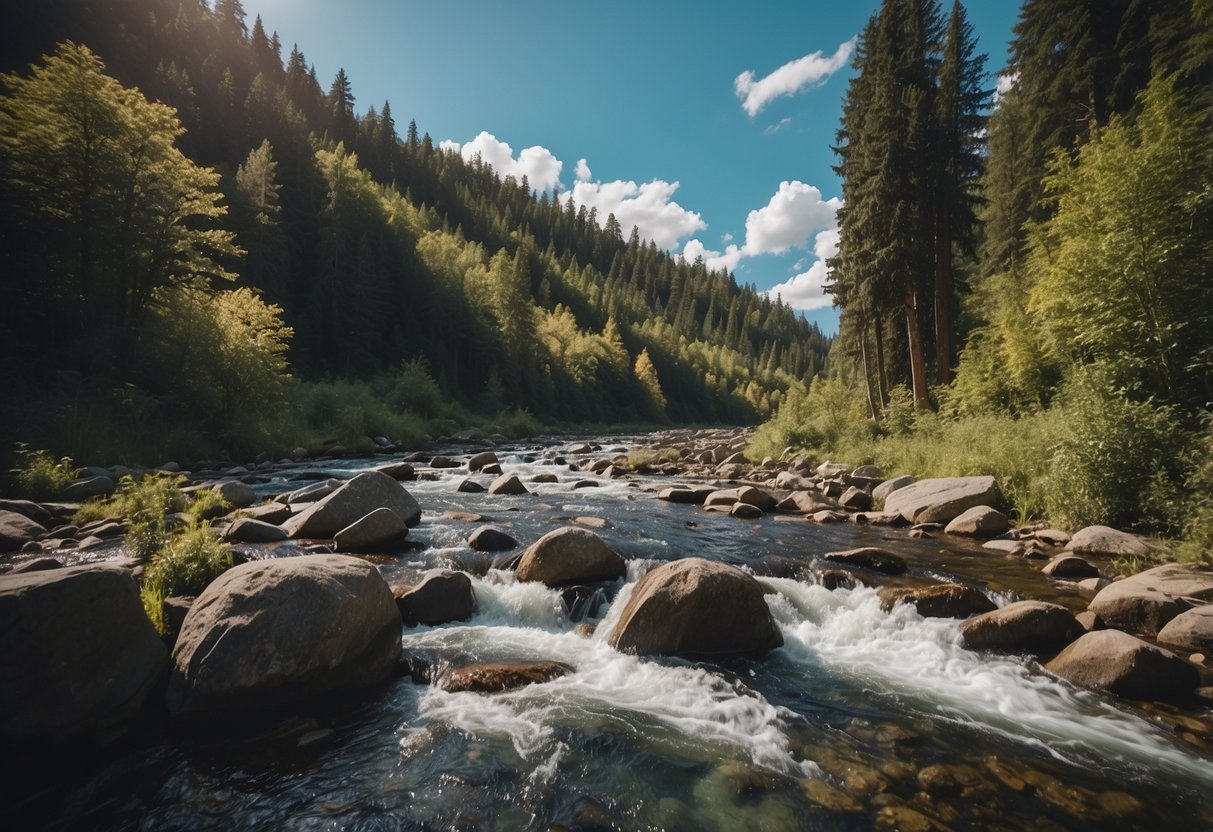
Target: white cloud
x: 648, y: 206
x: 777, y: 126
x: 536, y: 163
x: 715, y: 261
x: 583, y: 171
x: 790, y: 78
x: 726, y: 237
x: 793, y: 213
x: 806, y: 291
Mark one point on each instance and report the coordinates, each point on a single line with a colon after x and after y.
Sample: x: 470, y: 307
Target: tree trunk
x: 918, y: 371
x: 882, y: 376
x: 867, y: 370
x: 943, y: 297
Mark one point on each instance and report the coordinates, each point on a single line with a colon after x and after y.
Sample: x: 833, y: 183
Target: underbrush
x: 38, y: 475
x: 185, y: 565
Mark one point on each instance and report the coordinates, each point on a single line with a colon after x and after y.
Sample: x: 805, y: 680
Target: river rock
x: 399, y: 471
x: 470, y: 486
x: 941, y: 500
x: 443, y: 462
x: 544, y: 479
x: 1053, y: 537
x: 745, y: 511
x: 1145, y: 602
x: 491, y: 539
x: 1021, y: 625
x: 1191, y: 631
x: 236, y: 493
x: 855, y: 499
x: 723, y: 497
x: 270, y: 632
x: 87, y: 488
x: 938, y: 601
x: 791, y: 481
x: 351, y: 502
x: 829, y: 469
x: 310, y: 493
x: 507, y: 485
x: 381, y: 527
x: 756, y: 497
x: 1070, y: 566
x: 16, y: 530
x: 482, y: 460
x: 78, y: 652
x: 696, y: 607
x: 29, y: 509
x: 1010, y: 548
x: 881, y: 492
x: 442, y: 595
x: 570, y: 556
x: 979, y: 521
x: 39, y: 564
x: 685, y: 495
x: 1119, y: 663
x: 248, y: 530
x: 273, y: 512
x: 870, y: 557
x: 806, y: 502
x: 1103, y: 541
x: 494, y: 677
x: 829, y: 516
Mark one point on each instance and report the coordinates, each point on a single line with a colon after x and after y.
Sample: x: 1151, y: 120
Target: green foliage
x: 206, y: 504
x: 183, y: 565
x: 646, y: 374
x: 1197, y: 543
x: 144, y: 504
x: 829, y: 416
x: 39, y: 476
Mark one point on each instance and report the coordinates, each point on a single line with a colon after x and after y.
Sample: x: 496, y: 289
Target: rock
x: 579, y: 449
x: 442, y: 596
x: 881, y: 518
x: 1090, y: 587
x: 248, y: 530
x: 382, y: 527
x: 87, y: 488
x: 745, y: 511
x: 738, y: 458
x: 869, y: 557
x: 1010, y: 548
x: 806, y: 502
x: 1069, y: 566
x: 1103, y: 541
x: 938, y: 601
x: 1054, y: 537
x: 399, y: 471
x: 696, y: 607
x: 481, y: 460
x: 568, y: 556
x: 176, y: 609
x: 1191, y: 631
x: 274, y: 512
x: 79, y: 652
x: 28, y: 509
x: 941, y: 500
x: 1089, y: 620
x: 544, y: 479
x: 855, y: 499
x: 683, y: 495
x: 16, y: 530
x: 443, y: 462
x: 792, y: 482
x: 37, y: 565
x: 829, y: 469
x: 979, y: 521
x: 470, y: 486
x: 723, y: 497
x: 491, y: 539
x: 828, y: 516
x: 351, y: 502
x: 1117, y: 662
x: 881, y: 492
x: 756, y: 497
x: 236, y: 493
x: 494, y: 677
x: 311, y: 493
x: 276, y: 631
x: 1145, y: 602
x: 1023, y: 624
x: 580, y: 484
x: 507, y: 485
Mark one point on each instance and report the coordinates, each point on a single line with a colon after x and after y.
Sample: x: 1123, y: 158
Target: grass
x: 185, y: 565
x: 40, y: 476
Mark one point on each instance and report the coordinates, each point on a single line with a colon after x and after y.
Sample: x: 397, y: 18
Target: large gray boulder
x: 16, y: 530
x: 881, y: 492
x: 85, y: 488
x: 1145, y: 602
x: 249, y: 530
x: 270, y: 632
x: 1190, y: 631
x: 941, y: 500
x: 695, y: 607
x: 979, y: 521
x: 382, y: 527
x: 351, y: 502
x: 1104, y: 541
x: 236, y: 493
x: 78, y: 652
x: 507, y: 485
x: 570, y: 556
x: 1027, y: 625
x: 482, y: 460
x: 441, y: 596
x: 1124, y: 665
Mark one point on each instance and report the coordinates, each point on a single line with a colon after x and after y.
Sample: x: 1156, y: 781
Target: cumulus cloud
x: 536, y: 163
x: 648, y: 206
x: 1006, y: 83
x: 583, y: 171
x: 793, y: 213
x: 806, y: 290
x: 715, y: 260
x: 790, y: 78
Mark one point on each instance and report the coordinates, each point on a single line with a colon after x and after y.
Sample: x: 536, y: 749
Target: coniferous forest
x: 214, y: 245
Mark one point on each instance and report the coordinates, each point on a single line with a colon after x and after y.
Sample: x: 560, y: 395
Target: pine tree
x: 342, y: 126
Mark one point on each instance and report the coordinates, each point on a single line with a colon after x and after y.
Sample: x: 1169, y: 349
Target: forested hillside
x: 212, y: 217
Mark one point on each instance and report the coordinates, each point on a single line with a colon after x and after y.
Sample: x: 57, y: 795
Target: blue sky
x: 654, y: 96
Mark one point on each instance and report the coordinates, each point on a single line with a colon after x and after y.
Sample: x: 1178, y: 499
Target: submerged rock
x: 1070, y: 566
x: 351, y: 502
x: 570, y: 556
x: 695, y: 607
x: 442, y: 595
x: 490, y: 539
x: 494, y: 677
x: 938, y: 601
x: 1119, y: 663
x: 870, y: 557
x: 1021, y: 625
x: 942, y: 500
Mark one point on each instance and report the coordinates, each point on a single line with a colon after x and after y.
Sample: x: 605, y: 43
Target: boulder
x: 491, y: 539
x: 939, y: 600
x: 271, y: 632
x: 1010, y: 548
x: 1090, y: 587
x: 855, y: 499
x: 1145, y: 602
x: 806, y: 502
x: 382, y: 527
x: 723, y: 497
x: 442, y: 595
x: 695, y: 607
x: 791, y: 481
x: 86, y: 488
x: 38, y: 564
x: 482, y: 460
x: 311, y: 493
x: 236, y: 493
x: 868, y: 472
x: 756, y: 497
x: 1021, y: 625
x: 28, y: 509
x: 351, y: 502
x: 274, y: 512
x: 1053, y: 537
x: 470, y: 486
x: 869, y: 557
x: 443, y: 462
x: 1190, y: 631
x: 685, y: 496
x: 1069, y: 566
x: 507, y: 485
x: 569, y: 556
x: 398, y: 471
x: 544, y: 479
x: 829, y: 516
x: 16, y: 530
x: 494, y: 677
x: 248, y: 530
x: 1121, y: 664
x: 79, y: 652
x: 745, y: 511
x: 1103, y: 541
x: 941, y: 500
x: 979, y: 521
x: 829, y: 469
x: 881, y: 492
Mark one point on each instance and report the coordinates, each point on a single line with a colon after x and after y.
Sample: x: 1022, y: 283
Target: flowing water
x: 862, y: 718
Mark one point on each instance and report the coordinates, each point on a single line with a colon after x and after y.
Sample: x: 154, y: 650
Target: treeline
x: 359, y: 250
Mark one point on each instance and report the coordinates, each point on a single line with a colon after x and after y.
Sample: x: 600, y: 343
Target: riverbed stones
x: 756, y: 497
x: 381, y: 527
x: 399, y: 471
x: 942, y: 500
x: 470, y: 486
x: 1190, y: 631
x: 86, y: 488
x: 495, y: 677
x: 745, y: 511
x: 476, y: 462
x: 507, y: 485
x: 881, y: 492
x: 855, y: 499
x: 442, y: 596
x: 491, y: 539
x: 1103, y: 541
x: 806, y: 502
x: 1119, y: 663
x: 1145, y: 602
x: 1070, y: 566
x: 249, y: 530
x: 236, y: 493
x: 1027, y: 625
x: 791, y: 481
x: 938, y: 601
x: 270, y: 632
x: 351, y: 502
x: 979, y: 521
x: 79, y: 654
x: 870, y: 557
x: 16, y: 530
x: 694, y: 608
x: 569, y: 556
x: 684, y: 495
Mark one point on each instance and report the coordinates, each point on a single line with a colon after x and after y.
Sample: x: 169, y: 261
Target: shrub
x: 184, y: 566
x: 144, y: 504
x: 39, y: 476
x: 824, y: 419
x: 207, y: 504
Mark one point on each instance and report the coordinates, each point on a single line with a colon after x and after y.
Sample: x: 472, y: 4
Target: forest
x: 208, y: 252
x: 1025, y: 273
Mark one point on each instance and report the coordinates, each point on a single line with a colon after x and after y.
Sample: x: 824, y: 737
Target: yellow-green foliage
x: 183, y: 566
x: 39, y: 476
x: 144, y: 504
x: 827, y: 418
x: 206, y: 505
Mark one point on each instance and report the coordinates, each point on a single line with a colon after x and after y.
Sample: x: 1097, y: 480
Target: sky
x: 706, y: 124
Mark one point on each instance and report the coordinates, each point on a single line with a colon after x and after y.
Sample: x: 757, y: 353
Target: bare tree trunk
x: 867, y: 370
x: 882, y: 375
x: 943, y: 297
x: 918, y: 370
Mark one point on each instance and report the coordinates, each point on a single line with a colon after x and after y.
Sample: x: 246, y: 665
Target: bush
x: 824, y: 419
x: 144, y: 504
x: 1197, y: 544
x: 39, y: 476
x: 185, y: 566
x: 206, y: 505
